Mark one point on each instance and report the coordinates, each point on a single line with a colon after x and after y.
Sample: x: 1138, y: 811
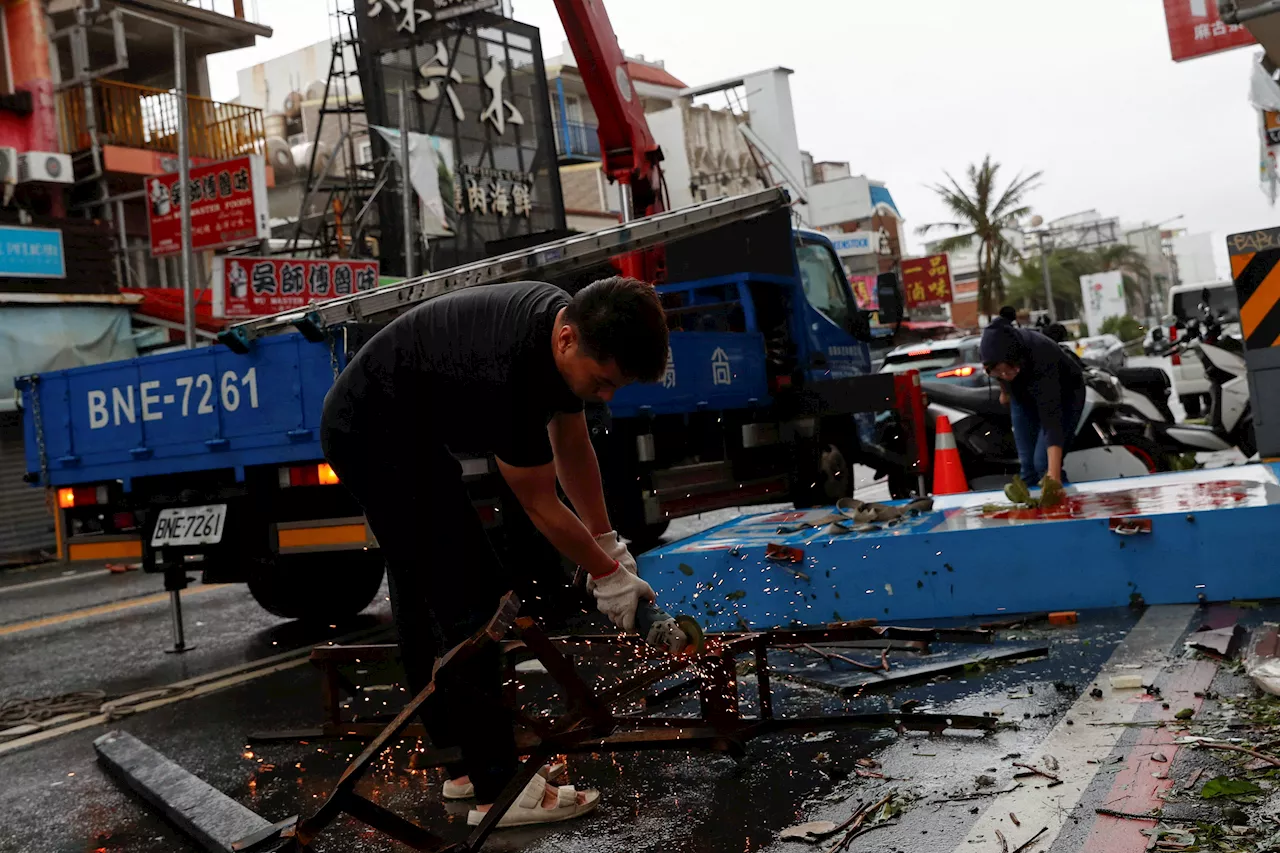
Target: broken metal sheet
x: 1223, y: 642
x: 849, y: 681
x: 214, y: 820
x: 942, y: 564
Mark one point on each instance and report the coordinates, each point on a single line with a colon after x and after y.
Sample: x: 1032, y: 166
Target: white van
x: 1185, y: 301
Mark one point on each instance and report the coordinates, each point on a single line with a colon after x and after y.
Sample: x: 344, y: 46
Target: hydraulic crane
x: 629, y: 155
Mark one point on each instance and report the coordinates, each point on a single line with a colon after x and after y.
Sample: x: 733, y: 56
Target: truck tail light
x: 308, y: 475
x: 967, y: 370
x: 82, y: 496
x: 1173, y: 336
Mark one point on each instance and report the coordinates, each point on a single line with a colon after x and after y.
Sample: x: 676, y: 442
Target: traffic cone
x: 948, y: 473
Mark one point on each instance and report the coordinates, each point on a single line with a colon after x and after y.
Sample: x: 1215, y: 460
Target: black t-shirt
x: 473, y: 369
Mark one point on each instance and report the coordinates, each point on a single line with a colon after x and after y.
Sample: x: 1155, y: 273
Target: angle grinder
x: 675, y: 634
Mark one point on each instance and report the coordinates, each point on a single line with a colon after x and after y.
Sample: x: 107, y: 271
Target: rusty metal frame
x: 591, y: 726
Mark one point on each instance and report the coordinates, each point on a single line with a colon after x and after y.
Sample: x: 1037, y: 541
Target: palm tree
x: 984, y: 214
x: 1026, y: 287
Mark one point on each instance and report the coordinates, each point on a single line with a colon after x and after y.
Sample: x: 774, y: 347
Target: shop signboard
x: 228, y: 206
x: 1195, y: 29
x: 255, y: 287
x: 31, y: 252
x: 926, y: 281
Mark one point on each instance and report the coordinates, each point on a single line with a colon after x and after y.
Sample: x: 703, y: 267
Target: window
x: 1221, y: 300
x: 824, y: 285
x: 364, y: 153
x: 573, y: 108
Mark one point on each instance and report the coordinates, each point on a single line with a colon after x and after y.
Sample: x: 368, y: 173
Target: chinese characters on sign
x: 1195, y: 29
x: 253, y: 287
x: 438, y: 75
x: 408, y: 18
x: 926, y: 281
x: 864, y: 289
x: 496, y: 192
x: 669, y: 377
x: 228, y: 206
x: 721, y: 373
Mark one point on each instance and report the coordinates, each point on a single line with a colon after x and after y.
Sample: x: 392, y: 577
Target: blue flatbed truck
x: 210, y: 458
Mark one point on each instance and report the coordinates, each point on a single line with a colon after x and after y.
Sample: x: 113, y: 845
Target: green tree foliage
x: 1066, y: 266
x: 984, y: 214
x: 1124, y: 327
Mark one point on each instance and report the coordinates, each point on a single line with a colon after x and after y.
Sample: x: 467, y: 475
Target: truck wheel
x: 324, y: 587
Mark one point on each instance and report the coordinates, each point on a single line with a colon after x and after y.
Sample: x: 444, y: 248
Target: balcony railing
x: 134, y: 116
x: 575, y: 139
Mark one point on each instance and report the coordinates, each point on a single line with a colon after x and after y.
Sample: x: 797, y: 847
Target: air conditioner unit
x: 46, y: 167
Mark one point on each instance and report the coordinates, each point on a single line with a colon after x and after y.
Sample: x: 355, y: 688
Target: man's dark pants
x: 445, y: 581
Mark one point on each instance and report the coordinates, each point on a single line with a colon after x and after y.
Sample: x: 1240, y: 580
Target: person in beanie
x: 1044, y: 388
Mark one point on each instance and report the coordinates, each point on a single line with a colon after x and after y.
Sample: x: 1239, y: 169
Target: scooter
x: 1145, y: 394
x: 1109, y: 442
x: 1230, y: 411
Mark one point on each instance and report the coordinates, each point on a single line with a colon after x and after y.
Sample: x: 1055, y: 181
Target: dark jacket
x: 1049, y: 378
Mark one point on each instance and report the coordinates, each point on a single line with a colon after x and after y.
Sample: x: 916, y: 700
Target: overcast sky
x: 1083, y: 90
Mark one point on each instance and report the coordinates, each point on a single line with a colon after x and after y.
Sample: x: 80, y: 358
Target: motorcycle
x: 1109, y: 441
x: 1144, y: 394
x: 1230, y: 410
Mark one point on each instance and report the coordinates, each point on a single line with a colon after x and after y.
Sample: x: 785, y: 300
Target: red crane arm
x: 629, y: 153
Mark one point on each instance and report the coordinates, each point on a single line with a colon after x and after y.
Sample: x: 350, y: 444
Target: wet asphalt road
x: 108, y: 632
x: 70, y: 629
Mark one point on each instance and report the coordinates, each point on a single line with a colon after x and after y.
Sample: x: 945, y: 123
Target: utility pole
x: 184, y: 181
x: 1044, y: 272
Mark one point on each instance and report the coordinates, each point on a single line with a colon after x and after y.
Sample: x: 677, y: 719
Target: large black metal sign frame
x: 490, y: 71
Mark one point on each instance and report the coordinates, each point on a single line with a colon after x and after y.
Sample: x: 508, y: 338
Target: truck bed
x: 183, y: 411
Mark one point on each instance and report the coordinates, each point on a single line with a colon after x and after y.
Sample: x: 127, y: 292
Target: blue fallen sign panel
x: 31, y: 252
x: 1162, y: 539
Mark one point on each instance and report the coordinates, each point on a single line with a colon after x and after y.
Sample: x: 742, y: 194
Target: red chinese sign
x: 255, y: 287
x: 926, y: 281
x: 228, y: 206
x: 864, y: 288
x: 1196, y: 30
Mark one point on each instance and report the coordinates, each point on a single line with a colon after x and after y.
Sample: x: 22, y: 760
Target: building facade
x: 87, y: 112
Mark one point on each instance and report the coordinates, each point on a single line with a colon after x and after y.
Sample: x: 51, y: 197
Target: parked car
x: 955, y: 360
x: 1105, y: 351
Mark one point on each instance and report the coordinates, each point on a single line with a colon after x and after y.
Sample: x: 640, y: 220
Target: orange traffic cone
x: 948, y: 473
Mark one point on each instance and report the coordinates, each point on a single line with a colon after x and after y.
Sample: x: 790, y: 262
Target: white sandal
x: 454, y: 791
x: 527, y: 809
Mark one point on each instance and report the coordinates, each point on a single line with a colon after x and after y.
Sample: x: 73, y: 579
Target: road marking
x: 1141, y: 785
x: 113, y: 607
x: 190, y: 688
x: 1148, y: 644
x: 59, y: 579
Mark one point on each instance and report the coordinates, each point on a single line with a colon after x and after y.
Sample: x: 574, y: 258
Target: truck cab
x: 762, y: 319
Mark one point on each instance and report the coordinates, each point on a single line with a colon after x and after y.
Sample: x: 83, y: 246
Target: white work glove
x: 618, y: 595
x: 611, y: 543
